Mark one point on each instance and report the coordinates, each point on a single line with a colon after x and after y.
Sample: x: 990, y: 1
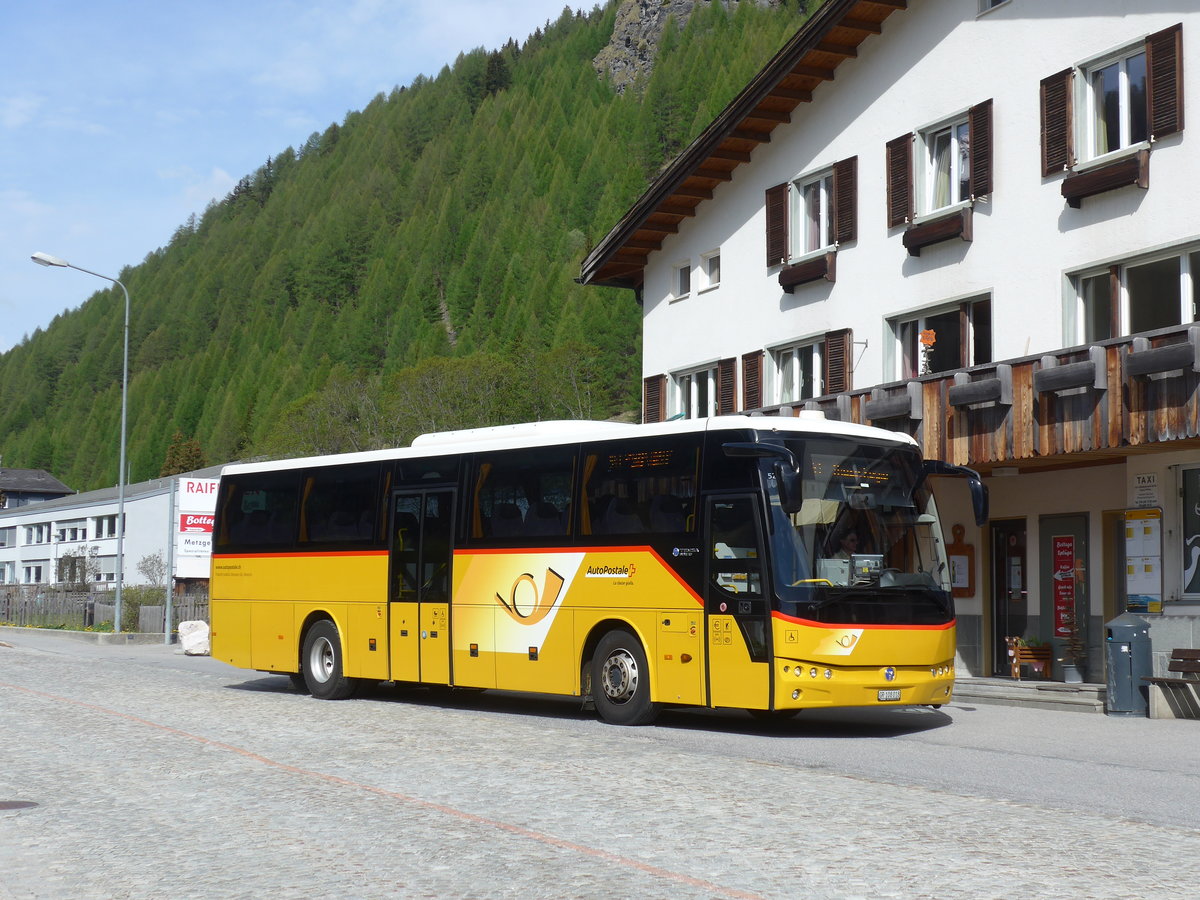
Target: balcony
x: 1093, y: 402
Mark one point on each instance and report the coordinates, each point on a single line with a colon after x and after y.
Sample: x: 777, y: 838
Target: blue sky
x: 120, y: 118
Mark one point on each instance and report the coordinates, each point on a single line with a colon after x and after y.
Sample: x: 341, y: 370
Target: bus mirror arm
x: 979, y: 491
x: 786, y: 469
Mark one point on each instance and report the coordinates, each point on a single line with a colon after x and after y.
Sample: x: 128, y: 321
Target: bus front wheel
x: 321, y: 660
x: 621, y: 681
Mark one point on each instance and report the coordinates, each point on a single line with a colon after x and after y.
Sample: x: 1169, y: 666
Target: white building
x: 974, y: 221
x: 73, y: 540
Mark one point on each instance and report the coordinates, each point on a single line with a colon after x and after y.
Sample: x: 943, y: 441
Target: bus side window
x: 340, y: 504
x: 735, y: 568
x: 639, y: 487
x: 259, y: 510
x: 522, y: 495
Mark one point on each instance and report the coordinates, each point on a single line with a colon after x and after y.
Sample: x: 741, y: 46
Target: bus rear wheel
x: 621, y: 681
x: 321, y: 663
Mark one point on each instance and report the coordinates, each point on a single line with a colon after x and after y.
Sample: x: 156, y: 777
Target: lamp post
x: 45, y: 259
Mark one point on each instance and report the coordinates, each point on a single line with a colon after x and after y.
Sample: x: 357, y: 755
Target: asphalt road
x: 135, y: 771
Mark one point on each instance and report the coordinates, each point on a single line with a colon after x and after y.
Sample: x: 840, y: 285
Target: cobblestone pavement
x: 141, y: 773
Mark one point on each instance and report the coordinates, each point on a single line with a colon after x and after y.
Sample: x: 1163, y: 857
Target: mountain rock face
x: 630, y: 54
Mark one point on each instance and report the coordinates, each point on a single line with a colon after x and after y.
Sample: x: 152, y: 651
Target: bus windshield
x: 865, y: 545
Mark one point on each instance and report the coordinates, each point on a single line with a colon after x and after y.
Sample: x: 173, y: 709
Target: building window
x: 35, y: 572
x: 695, y: 394
x: 817, y: 211
x: 37, y: 534
x: 72, y: 531
x: 681, y: 280
x: 106, y: 526
x: 1116, y: 103
x: 8, y: 536
x: 1136, y: 296
x: 947, y: 166
x: 986, y: 5
x: 796, y: 372
x: 950, y: 163
x: 812, y: 202
x: 944, y: 339
x: 710, y: 270
x: 106, y: 569
x: 7, y: 572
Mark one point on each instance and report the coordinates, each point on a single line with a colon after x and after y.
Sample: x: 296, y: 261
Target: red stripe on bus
x: 301, y: 555
x: 809, y: 623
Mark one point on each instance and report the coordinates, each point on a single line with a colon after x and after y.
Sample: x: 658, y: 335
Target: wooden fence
x: 38, y: 606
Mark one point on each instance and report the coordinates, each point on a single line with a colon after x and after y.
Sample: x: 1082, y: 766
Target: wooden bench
x: 1037, y: 658
x: 1176, y: 697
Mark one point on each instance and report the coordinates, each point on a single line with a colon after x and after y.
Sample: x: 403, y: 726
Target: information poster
x: 1064, y: 584
x: 195, y: 504
x: 1143, y: 560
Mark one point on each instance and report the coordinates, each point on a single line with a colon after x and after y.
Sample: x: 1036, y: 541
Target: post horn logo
x: 526, y: 604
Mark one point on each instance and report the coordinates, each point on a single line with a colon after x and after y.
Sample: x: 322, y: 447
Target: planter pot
x: 1071, y: 674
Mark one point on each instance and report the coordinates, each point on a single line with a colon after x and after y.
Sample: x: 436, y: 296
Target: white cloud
x: 18, y: 111
x: 197, y: 188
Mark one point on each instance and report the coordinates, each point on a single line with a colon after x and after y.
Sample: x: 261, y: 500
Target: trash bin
x: 1127, y: 640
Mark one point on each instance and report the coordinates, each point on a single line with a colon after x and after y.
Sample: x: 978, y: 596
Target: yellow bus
x: 767, y: 564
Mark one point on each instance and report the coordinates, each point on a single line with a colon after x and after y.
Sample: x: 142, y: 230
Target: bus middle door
x: 421, y: 556
x: 736, y: 605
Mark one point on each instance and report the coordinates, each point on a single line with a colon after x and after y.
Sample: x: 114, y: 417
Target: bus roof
x: 550, y: 433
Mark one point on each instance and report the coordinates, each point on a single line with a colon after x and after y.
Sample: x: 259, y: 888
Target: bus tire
x: 321, y: 663
x: 621, y: 680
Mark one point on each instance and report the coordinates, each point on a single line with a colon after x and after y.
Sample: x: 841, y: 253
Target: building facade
x: 969, y: 220
x: 72, y: 540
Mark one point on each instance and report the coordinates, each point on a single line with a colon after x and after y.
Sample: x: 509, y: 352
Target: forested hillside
x: 411, y: 268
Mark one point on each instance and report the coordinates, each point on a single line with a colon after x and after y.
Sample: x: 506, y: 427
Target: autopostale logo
x: 528, y: 603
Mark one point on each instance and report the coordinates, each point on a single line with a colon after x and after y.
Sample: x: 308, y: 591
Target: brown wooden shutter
x: 899, y: 180
x: 979, y: 124
x: 726, y: 387
x: 1164, y: 94
x: 839, y: 348
x: 654, y: 391
x: 1058, y: 142
x: 752, y: 370
x: 777, y: 224
x: 845, y: 199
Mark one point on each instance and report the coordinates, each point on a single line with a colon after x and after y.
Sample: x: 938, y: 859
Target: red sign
x: 195, y: 523
x: 1063, y: 560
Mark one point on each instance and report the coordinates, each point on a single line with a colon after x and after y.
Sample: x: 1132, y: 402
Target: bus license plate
x: 889, y: 695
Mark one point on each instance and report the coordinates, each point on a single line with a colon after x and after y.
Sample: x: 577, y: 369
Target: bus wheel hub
x: 619, y: 676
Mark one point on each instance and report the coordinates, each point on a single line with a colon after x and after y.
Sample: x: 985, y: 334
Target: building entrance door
x: 1010, y: 591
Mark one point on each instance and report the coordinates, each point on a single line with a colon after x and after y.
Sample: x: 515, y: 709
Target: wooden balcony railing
x: 1099, y: 399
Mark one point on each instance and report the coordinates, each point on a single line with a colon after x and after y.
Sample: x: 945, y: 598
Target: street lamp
x: 45, y: 259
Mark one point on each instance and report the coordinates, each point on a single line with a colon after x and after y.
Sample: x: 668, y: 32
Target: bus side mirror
x: 786, y: 470
x: 979, y: 491
x: 787, y: 484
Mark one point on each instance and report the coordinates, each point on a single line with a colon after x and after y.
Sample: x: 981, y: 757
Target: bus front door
x: 421, y: 556
x: 739, y: 671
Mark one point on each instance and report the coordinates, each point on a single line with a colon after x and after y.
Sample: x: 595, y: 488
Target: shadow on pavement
x: 870, y: 722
